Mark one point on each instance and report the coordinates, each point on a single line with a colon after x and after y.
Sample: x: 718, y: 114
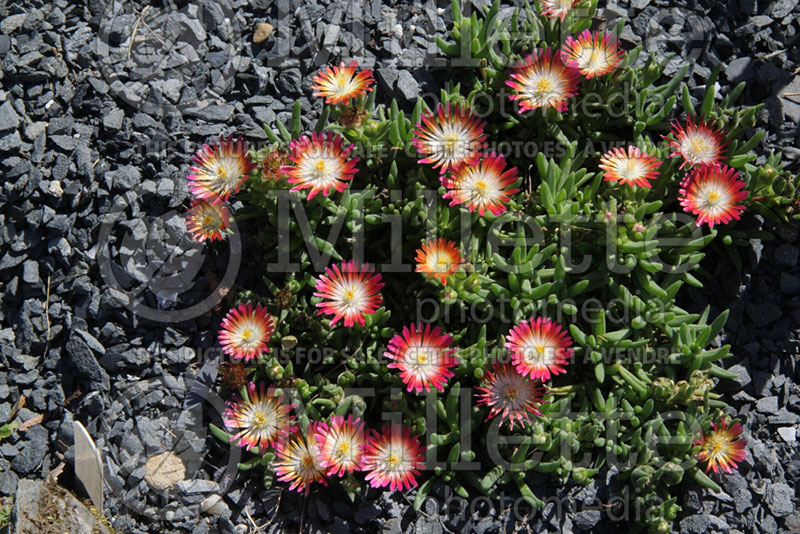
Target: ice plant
x: 482, y: 187
x: 630, y: 167
x: 260, y: 418
x: 543, y: 80
x: 349, y: 292
x: 341, y: 445
x: 208, y: 219
x: 539, y: 348
x: 593, y: 53
x: 509, y: 394
x: 438, y: 259
x: 424, y: 357
x: 320, y: 163
x: 298, y: 460
x: 699, y: 143
x: 220, y: 169
x: 449, y: 138
x: 393, y: 458
x: 245, y: 331
x: 721, y: 447
x: 341, y: 84
x: 557, y: 9
x: 713, y: 193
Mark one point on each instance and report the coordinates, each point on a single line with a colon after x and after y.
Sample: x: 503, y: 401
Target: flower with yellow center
x: 713, y: 193
x: 341, y: 445
x: 539, y: 348
x: 245, y: 331
x: 698, y: 143
x: 340, y: 84
x: 298, y: 460
x: 259, y: 417
x: 450, y: 138
x: 483, y: 187
x: 220, y: 169
x: 438, y: 259
x: 542, y: 80
x: 208, y: 219
x: 721, y: 447
x: 320, y: 164
x: 393, y: 458
x: 630, y: 167
x: 423, y: 357
x: 349, y: 292
x: 593, y: 54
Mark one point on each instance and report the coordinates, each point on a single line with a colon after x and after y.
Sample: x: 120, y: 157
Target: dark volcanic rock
x: 85, y: 363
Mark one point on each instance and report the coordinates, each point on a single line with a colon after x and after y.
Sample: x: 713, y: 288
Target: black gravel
x: 95, y: 136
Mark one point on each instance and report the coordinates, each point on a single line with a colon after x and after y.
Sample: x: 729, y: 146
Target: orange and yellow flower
x: 298, y: 460
x: 483, y: 187
x: 341, y: 445
x: 699, y: 143
x: 245, y: 331
x: 320, y: 163
x: 424, y: 357
x: 543, y: 80
x: 539, y: 348
x: 593, y: 54
x: 510, y: 395
x: 630, y: 167
x: 393, y: 458
x: 557, y: 9
x: 439, y: 259
x: 713, y: 193
x: 449, y: 138
x: 260, y: 418
x: 349, y: 292
x: 220, y: 169
x: 721, y: 447
x: 208, y: 219
x: 341, y: 84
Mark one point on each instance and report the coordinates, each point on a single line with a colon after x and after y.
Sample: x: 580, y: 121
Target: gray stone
x: 790, y: 284
x: 9, y: 120
x: 33, y: 452
x: 213, y: 113
x: 767, y: 405
x: 30, y: 273
x: 742, y: 500
x: 408, y: 86
x: 290, y: 82
x: 740, y: 70
x: 763, y: 314
x: 113, y: 119
x: 791, y: 104
x: 12, y: 23
x: 587, y: 519
x: 788, y: 433
x: 760, y: 21
x: 742, y: 379
x: 779, y: 499
x: 35, y: 129
x: 8, y: 482
x: 198, y: 486
x: 85, y: 363
x: 699, y: 524
x: 125, y: 178
x: 781, y: 8
x: 786, y: 255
